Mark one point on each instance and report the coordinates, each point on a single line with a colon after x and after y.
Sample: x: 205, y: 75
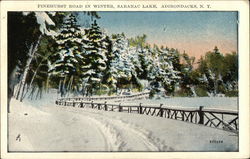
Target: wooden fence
x: 217, y: 118
x: 134, y: 96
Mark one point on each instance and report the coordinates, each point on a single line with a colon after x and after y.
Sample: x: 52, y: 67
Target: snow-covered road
x: 112, y: 133
x: 68, y: 129
x: 120, y: 135
x: 58, y: 131
x: 58, y: 128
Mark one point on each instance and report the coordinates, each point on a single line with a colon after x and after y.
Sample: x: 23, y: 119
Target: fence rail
x: 216, y: 118
x: 141, y: 95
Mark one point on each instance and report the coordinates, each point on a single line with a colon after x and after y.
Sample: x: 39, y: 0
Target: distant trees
x: 219, y: 73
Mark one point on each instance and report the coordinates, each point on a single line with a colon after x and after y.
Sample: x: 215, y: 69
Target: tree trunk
x: 11, y: 86
x: 39, y: 93
x: 32, y: 51
x: 64, y: 86
x: 59, y: 87
x: 23, y: 80
x: 32, y: 92
x: 18, y: 89
x: 35, y: 73
x: 15, y: 90
x: 69, y: 87
x: 47, y: 83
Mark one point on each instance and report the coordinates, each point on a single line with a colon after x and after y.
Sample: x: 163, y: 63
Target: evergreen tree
x: 95, y: 50
x: 120, y: 69
x: 215, y: 62
x: 133, y: 63
x: 171, y: 75
x: 66, y: 62
x: 144, y: 56
x: 188, y: 75
x: 108, y: 73
x: 212, y: 68
x: 230, y: 73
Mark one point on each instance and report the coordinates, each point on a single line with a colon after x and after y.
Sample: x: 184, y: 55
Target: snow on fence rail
x: 145, y: 94
x: 216, y: 118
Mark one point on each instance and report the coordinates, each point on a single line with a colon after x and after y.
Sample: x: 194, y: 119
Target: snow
x: 43, y: 19
x: 53, y: 131
x: 230, y: 103
x: 43, y: 126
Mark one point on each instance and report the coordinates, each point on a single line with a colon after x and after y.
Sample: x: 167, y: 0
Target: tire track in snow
x: 107, y: 144
x: 110, y: 134
x: 160, y: 144
x: 113, y: 141
x: 122, y: 135
x: 142, y: 137
x: 69, y: 132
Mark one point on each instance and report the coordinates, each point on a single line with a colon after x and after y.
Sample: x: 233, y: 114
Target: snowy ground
x: 43, y: 126
x: 208, y: 102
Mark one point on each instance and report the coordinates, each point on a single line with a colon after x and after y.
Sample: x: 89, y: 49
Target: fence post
x: 92, y: 105
x: 65, y: 103
x: 140, y: 109
x: 105, y: 106
x: 73, y: 103
x: 161, y: 110
x: 182, y: 115
x: 120, y: 108
x: 99, y: 106
x: 201, y: 115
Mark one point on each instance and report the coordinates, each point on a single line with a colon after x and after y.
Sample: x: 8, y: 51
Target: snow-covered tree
x: 213, y: 70
x: 163, y: 74
x: 66, y: 61
x: 125, y: 61
x: 171, y: 74
x: 145, y: 59
x: 95, y: 51
x: 188, y: 75
x: 134, y: 65
x: 41, y: 27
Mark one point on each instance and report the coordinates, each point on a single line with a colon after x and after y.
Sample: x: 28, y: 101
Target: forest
x: 51, y: 50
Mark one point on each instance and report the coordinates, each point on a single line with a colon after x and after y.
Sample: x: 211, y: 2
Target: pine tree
x: 67, y: 60
x: 119, y: 64
x: 134, y: 66
x: 115, y: 61
x: 108, y: 80
x: 95, y: 51
x: 163, y: 74
x: 144, y: 56
x: 171, y: 74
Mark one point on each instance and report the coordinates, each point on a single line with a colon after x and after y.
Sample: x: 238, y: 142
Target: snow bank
x: 23, y: 121
x: 48, y: 98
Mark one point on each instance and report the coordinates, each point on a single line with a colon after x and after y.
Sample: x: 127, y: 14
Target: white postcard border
x: 243, y: 48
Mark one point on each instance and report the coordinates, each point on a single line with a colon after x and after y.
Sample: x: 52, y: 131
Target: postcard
x: 122, y: 79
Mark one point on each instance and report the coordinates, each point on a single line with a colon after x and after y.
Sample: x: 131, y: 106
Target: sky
x: 194, y: 32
